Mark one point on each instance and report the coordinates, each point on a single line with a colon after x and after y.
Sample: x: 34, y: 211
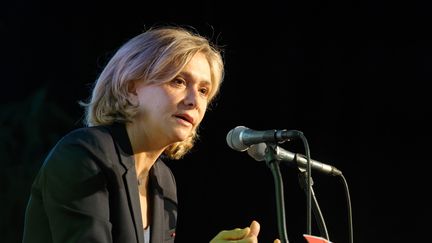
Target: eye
x: 178, y: 82
x: 204, y: 91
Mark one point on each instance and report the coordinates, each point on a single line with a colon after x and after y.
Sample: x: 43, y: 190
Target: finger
x: 254, y: 228
x: 277, y: 241
x: 252, y: 236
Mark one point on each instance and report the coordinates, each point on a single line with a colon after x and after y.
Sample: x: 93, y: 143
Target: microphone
x: 257, y: 151
x: 240, y: 138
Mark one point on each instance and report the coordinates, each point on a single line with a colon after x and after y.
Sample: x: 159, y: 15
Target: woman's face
x: 170, y: 111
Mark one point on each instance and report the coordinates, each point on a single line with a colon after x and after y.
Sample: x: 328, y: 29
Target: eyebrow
x: 188, y: 75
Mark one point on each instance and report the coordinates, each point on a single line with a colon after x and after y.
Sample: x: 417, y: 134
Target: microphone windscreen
x: 233, y: 139
x: 229, y: 139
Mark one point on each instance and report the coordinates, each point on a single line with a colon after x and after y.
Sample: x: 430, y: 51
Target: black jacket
x: 87, y: 191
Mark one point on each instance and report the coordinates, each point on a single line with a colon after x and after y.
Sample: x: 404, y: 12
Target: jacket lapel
x: 124, y: 150
x: 134, y: 202
x: 164, y: 217
x: 157, y: 225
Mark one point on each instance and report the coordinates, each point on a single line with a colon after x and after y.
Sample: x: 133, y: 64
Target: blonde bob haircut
x: 154, y: 56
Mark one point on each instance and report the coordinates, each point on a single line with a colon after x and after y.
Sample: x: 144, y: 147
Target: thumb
x: 277, y: 241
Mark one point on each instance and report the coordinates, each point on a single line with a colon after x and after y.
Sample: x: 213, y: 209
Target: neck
x: 143, y: 163
x: 143, y: 147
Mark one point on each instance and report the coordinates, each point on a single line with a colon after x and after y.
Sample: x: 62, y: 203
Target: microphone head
x: 257, y: 151
x: 233, y: 139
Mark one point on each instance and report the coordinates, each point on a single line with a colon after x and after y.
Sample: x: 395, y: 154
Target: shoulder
x: 81, y: 148
x: 87, y: 135
x: 94, y: 139
x: 76, y: 165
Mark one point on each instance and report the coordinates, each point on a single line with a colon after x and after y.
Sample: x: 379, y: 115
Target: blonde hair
x: 156, y: 55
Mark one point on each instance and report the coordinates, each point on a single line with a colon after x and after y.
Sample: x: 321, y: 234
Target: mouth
x: 185, y: 117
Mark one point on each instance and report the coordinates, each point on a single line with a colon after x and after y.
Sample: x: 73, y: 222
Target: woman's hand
x: 245, y: 235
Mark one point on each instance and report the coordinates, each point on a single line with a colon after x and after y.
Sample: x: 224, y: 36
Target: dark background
x: 352, y: 76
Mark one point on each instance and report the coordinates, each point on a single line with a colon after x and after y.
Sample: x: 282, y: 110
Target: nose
x: 191, y: 98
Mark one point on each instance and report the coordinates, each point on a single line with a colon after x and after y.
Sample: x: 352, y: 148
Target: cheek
x: 155, y: 99
x: 170, y: 97
x: 202, y: 110
x: 150, y: 105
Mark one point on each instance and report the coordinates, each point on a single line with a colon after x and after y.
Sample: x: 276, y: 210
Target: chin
x: 181, y: 136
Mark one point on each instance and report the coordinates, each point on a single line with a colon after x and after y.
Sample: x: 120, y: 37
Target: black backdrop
x: 352, y: 76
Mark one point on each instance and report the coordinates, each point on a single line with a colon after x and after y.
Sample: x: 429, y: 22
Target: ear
x: 131, y: 87
x: 132, y: 91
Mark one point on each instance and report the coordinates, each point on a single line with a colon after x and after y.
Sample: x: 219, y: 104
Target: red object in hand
x: 315, y: 239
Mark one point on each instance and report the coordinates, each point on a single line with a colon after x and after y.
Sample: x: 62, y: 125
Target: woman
x: 106, y: 182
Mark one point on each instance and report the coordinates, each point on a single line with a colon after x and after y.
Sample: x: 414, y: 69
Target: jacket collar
x: 123, y: 145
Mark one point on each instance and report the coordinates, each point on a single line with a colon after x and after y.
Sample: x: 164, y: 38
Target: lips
x: 185, y: 117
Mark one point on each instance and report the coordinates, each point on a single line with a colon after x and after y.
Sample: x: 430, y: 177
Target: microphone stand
x: 273, y: 164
